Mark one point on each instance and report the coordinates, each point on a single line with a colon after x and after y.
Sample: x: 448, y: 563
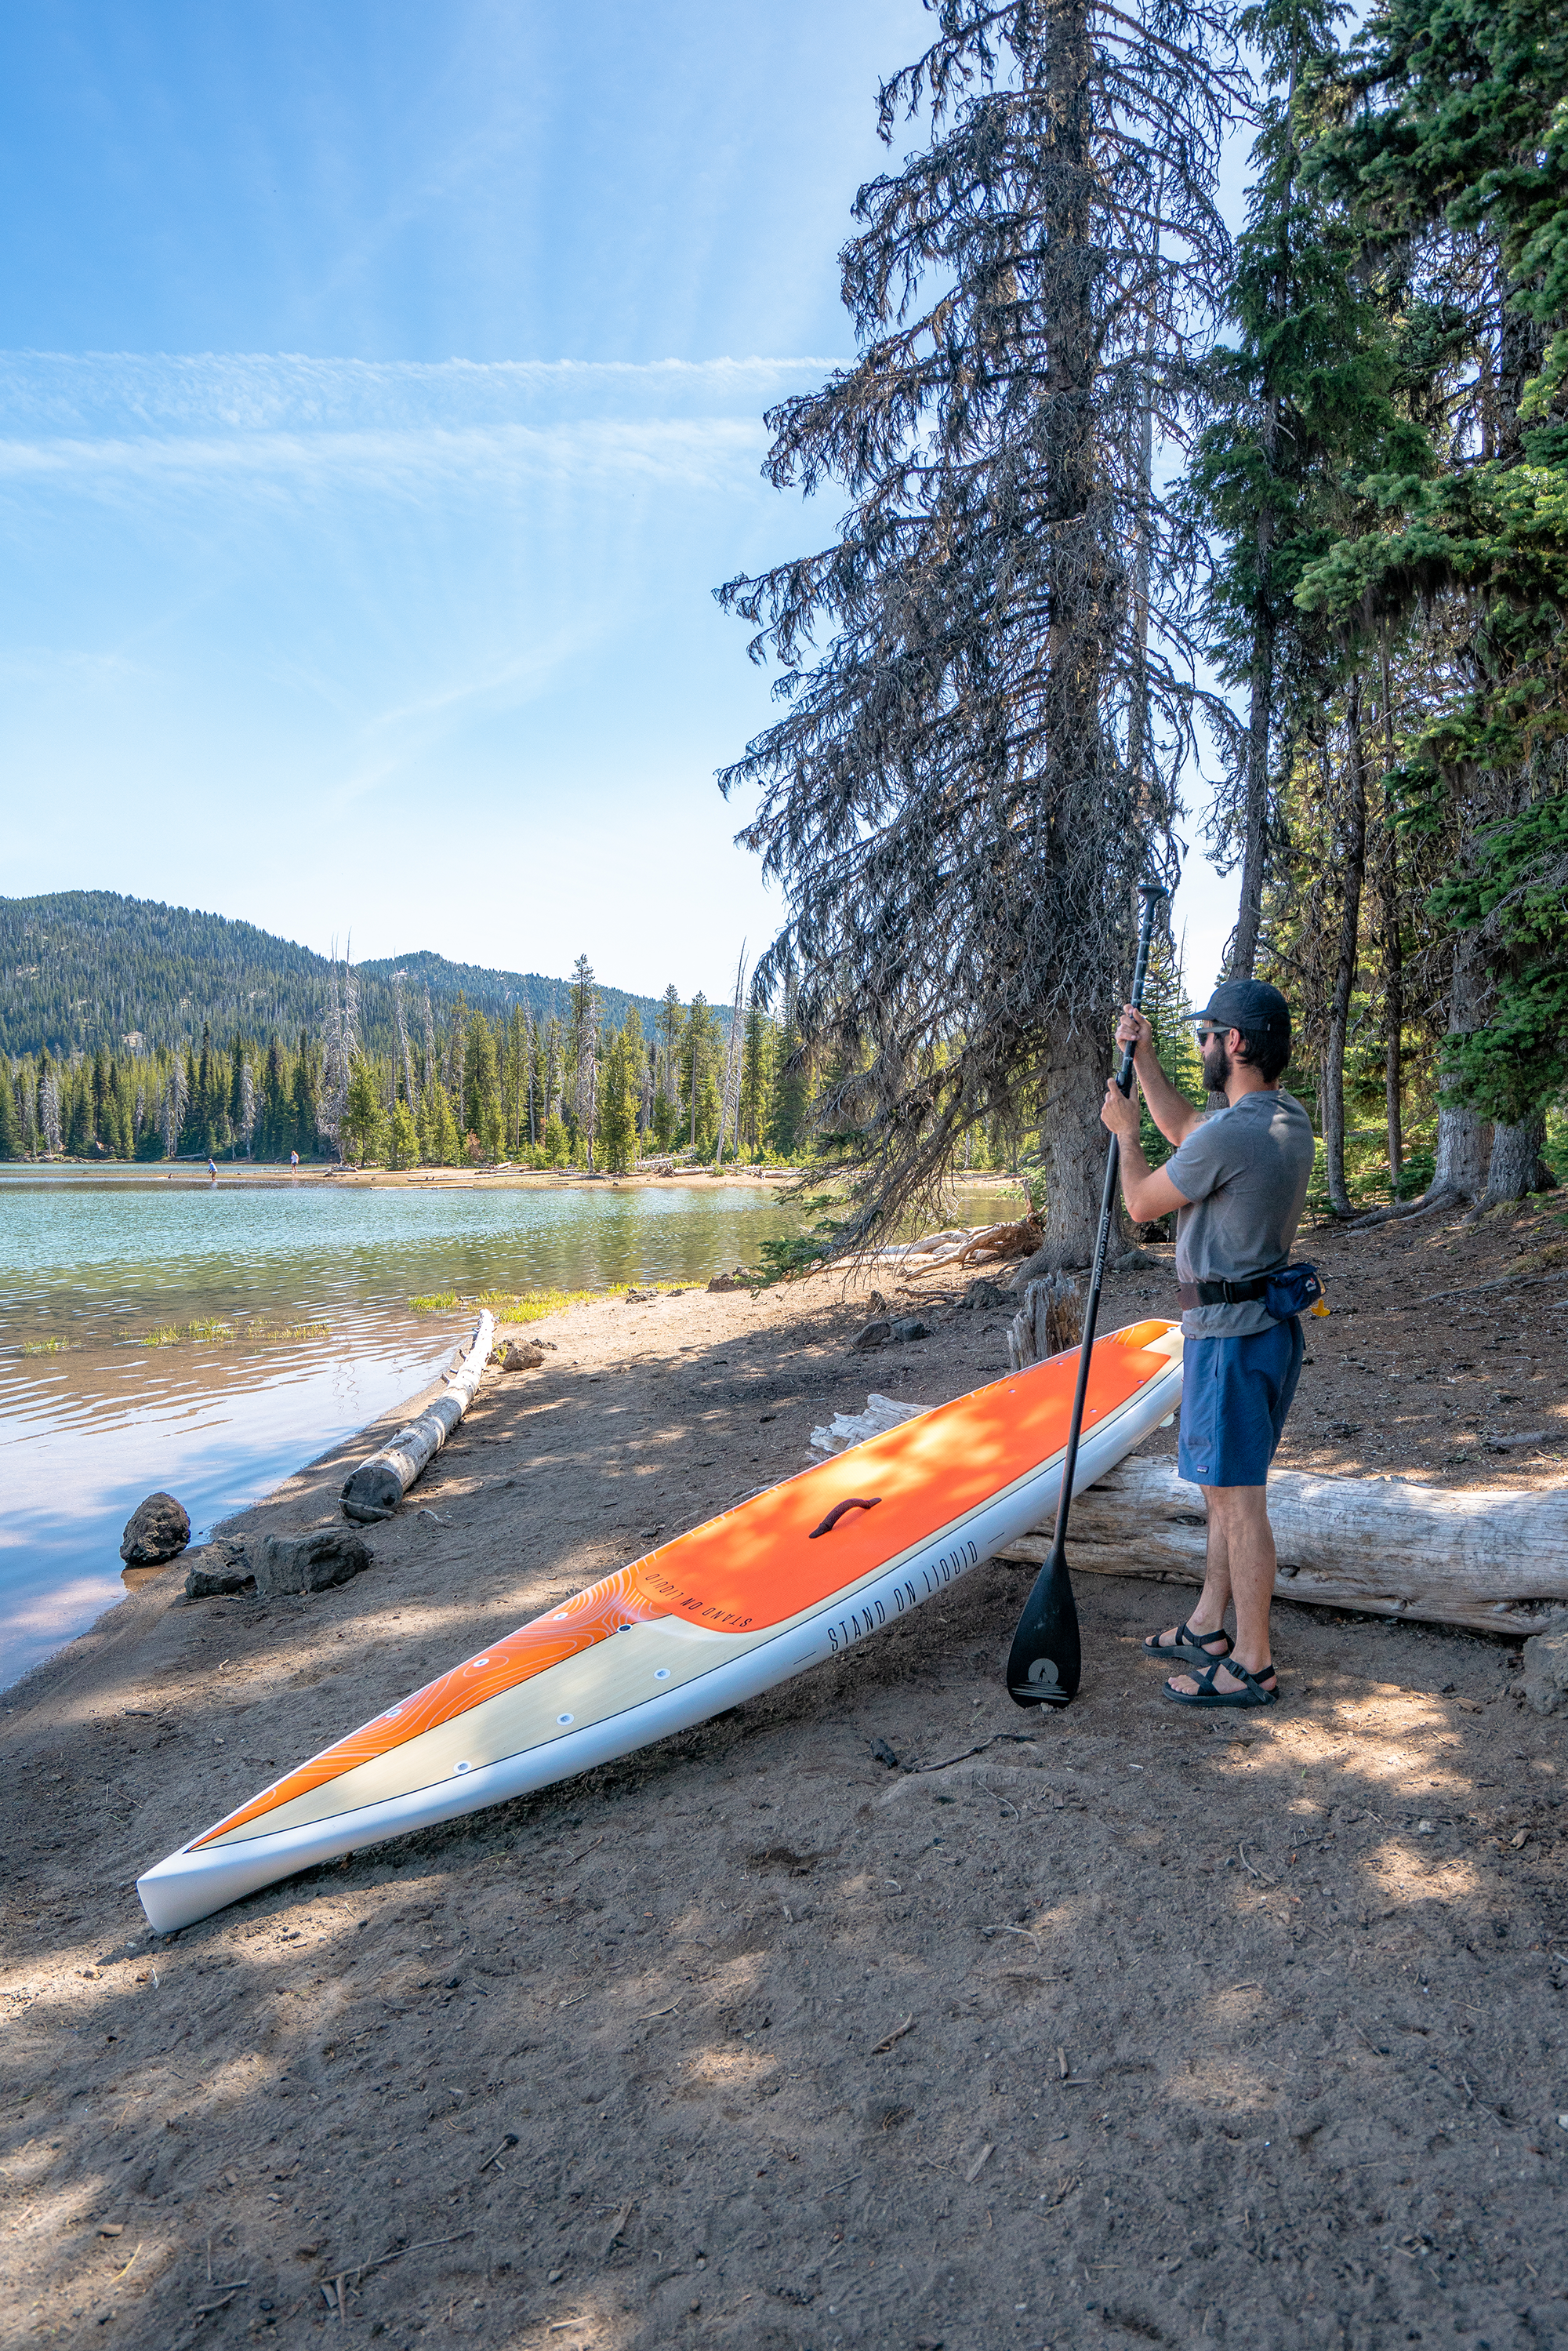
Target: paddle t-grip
x: 1045, y: 1661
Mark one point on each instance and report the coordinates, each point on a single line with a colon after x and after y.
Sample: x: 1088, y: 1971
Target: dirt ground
x: 873, y: 2012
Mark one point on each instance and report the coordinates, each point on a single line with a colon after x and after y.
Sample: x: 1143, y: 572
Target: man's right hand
x: 1133, y: 1029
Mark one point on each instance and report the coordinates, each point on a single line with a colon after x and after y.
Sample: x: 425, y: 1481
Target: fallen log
x: 1492, y: 1560
x: 376, y: 1487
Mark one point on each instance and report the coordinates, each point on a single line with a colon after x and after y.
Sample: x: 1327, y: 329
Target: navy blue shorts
x: 1235, y: 1394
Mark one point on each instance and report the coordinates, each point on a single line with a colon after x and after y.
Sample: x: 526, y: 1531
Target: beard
x: 1217, y: 1066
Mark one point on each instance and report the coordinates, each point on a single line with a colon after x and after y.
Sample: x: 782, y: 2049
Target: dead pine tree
x: 985, y: 711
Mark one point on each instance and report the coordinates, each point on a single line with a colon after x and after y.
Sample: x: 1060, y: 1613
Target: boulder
x: 217, y: 1569
x: 308, y: 1562
x: 519, y: 1355
x: 157, y: 1529
x: 736, y: 1280
x: 890, y: 1330
x: 1546, y: 1670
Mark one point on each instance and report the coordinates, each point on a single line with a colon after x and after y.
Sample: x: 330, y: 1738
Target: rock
x: 984, y: 1292
x: 910, y: 1326
x: 310, y: 1562
x: 217, y: 1569
x: 875, y: 1334
x: 157, y: 1529
x: 641, y: 1297
x: 1546, y: 1671
x: 736, y: 1280
x: 520, y: 1355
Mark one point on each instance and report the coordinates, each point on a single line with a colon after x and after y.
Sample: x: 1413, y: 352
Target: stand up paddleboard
x: 797, y: 1575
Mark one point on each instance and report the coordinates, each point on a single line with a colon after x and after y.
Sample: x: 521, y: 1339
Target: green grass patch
x: 51, y: 1346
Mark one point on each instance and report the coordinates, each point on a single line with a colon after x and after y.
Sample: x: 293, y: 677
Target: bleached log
x: 1492, y: 1560
x: 376, y: 1487
x: 847, y: 1429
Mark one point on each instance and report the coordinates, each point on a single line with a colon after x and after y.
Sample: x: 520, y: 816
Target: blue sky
x: 381, y: 401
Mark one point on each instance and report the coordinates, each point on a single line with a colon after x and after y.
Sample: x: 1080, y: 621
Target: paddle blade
x: 1044, y: 1663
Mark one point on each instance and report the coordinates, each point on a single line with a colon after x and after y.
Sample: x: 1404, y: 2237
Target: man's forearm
x: 1171, y: 1112
x: 1137, y: 1177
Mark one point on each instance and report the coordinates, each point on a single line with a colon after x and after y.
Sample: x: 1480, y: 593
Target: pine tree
x: 699, y: 1088
x: 971, y: 777
x: 1453, y: 154
x: 618, y: 1102
x: 789, y: 1103
x: 404, y: 1135
x: 756, y: 1073
x: 1301, y: 398
x: 482, y: 1114
x: 11, y: 1141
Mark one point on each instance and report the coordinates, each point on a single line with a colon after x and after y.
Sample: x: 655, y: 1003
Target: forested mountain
x: 86, y: 969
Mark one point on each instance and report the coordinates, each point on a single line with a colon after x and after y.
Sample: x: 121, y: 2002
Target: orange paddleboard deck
x: 796, y: 1574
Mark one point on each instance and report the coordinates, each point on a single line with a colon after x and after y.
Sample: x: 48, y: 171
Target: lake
x: 206, y: 1339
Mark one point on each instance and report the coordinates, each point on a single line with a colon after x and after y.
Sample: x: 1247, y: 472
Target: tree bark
x: 1515, y: 1169
x: 1073, y: 1144
x: 1392, y: 942
x: 1464, y: 1137
x: 1255, y: 834
x: 1353, y: 859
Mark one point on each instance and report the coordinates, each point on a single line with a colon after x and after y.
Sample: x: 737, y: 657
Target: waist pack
x: 1292, y: 1289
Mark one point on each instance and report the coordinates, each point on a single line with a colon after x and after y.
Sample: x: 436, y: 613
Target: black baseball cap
x: 1249, y: 1005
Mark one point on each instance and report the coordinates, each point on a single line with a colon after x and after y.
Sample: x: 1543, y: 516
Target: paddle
x: 1044, y: 1662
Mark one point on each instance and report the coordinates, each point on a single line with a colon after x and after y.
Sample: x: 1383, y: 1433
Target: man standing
x: 1237, y: 1181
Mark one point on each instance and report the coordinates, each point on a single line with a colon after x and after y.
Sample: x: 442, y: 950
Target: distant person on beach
x: 1237, y: 1182
x: 212, y: 1169
x: 294, y: 1161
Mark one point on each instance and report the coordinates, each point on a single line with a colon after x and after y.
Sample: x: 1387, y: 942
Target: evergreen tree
x: 1300, y: 401
x: 756, y: 1073
x: 970, y: 778
x: 363, y: 1118
x: 1453, y: 155
x: 482, y: 1113
x: 788, y: 1104
x: 404, y: 1135
x: 306, y: 1135
x: 11, y: 1139
x: 618, y: 1100
x: 699, y: 1076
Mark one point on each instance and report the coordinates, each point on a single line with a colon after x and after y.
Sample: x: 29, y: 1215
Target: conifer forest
x: 1164, y: 534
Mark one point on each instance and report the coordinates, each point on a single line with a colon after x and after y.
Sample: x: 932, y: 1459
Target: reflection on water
x: 297, y: 1294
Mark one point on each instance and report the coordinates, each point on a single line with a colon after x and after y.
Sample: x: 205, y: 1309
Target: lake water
x: 308, y: 1285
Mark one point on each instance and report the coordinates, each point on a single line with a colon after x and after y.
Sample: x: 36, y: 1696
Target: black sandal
x: 1251, y: 1693
x: 1188, y: 1644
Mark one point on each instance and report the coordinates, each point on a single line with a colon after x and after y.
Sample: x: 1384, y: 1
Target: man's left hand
x: 1122, y: 1113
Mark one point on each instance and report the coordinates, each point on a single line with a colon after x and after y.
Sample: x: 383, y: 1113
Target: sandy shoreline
x: 1302, y: 1969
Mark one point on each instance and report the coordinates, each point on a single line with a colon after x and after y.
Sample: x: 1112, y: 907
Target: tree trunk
x: 1393, y: 945
x: 1464, y: 1137
x: 1255, y: 834
x: 1073, y: 1144
x: 1353, y: 858
x: 376, y: 1487
x: 1515, y: 1167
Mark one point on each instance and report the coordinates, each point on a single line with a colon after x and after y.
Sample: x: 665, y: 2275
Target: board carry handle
x: 855, y: 1502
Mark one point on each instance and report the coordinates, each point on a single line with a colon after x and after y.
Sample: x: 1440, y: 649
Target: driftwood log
x: 1494, y: 1561
x: 376, y: 1487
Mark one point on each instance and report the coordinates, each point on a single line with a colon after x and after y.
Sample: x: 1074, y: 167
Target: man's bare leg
x: 1208, y: 1619
x: 1238, y: 1517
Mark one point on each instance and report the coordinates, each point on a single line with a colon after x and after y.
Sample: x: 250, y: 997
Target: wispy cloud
x: 109, y: 423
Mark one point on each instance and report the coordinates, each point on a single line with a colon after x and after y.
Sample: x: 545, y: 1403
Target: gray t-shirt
x: 1245, y: 1172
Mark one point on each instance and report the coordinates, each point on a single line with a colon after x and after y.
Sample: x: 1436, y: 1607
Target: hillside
x: 83, y: 969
